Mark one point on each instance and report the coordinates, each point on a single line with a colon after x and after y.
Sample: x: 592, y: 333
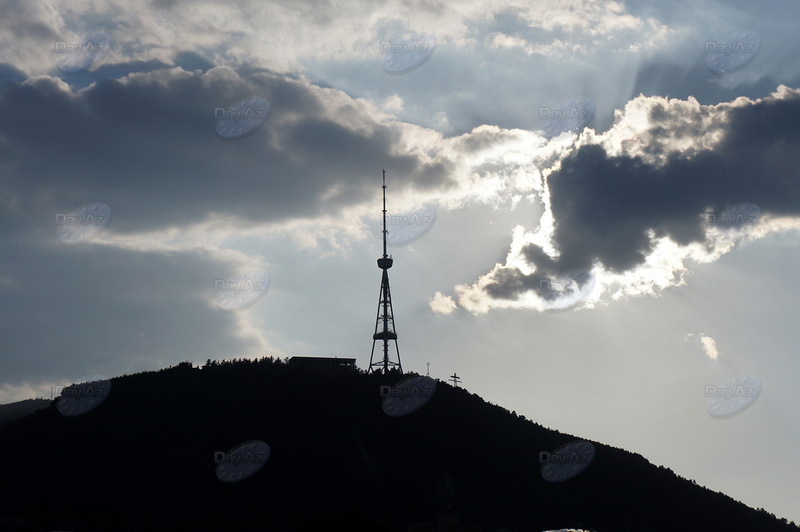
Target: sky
x: 593, y: 206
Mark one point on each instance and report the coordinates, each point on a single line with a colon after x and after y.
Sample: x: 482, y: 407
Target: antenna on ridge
x: 384, y: 214
x: 384, y: 324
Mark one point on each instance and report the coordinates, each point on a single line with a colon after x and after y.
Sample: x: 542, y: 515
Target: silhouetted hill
x: 13, y: 411
x: 144, y: 460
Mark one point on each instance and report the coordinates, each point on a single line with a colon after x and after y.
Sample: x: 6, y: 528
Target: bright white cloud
x: 442, y: 304
x: 709, y: 346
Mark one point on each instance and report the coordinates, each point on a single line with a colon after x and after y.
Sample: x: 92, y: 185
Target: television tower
x: 384, y: 325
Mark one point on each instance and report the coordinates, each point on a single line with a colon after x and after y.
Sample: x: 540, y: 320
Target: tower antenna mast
x: 384, y: 214
x: 384, y: 324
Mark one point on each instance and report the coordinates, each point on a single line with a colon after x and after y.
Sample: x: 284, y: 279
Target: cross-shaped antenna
x: 455, y: 378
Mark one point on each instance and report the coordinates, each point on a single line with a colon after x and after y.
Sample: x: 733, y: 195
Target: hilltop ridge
x: 145, y: 457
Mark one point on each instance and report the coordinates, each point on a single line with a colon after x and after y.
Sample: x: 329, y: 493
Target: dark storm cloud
x: 11, y: 74
x: 148, y: 148
x: 82, y: 79
x: 604, y: 206
x: 190, y: 61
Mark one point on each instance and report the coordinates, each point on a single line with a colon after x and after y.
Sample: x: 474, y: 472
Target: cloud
x: 247, y: 31
x: 633, y: 205
x: 442, y: 304
x: 146, y: 144
x: 709, y: 346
